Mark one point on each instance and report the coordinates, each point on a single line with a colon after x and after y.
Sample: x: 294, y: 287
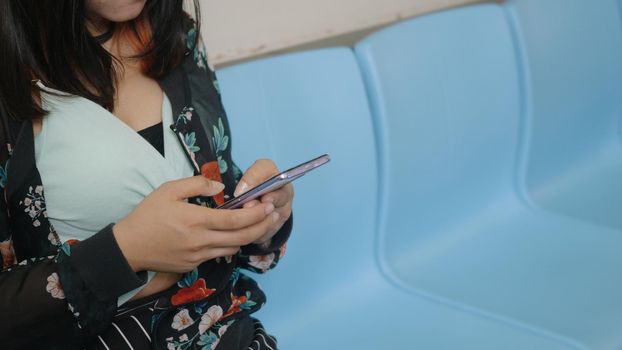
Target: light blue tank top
x: 95, y: 169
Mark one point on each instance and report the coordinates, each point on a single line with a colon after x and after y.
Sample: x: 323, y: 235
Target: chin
x: 117, y: 10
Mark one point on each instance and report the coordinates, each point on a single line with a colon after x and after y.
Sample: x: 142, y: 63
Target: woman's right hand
x: 165, y: 233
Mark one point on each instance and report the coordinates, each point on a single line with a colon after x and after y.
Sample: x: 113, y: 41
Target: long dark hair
x: 49, y: 40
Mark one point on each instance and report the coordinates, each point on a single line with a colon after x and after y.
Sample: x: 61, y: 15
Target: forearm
x: 68, y: 296
x: 160, y: 282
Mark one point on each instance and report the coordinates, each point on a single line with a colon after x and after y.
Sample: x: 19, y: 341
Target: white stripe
x: 123, y: 335
x: 258, y: 344
x: 141, y: 327
x: 265, y: 342
x: 103, y: 342
x: 272, y: 338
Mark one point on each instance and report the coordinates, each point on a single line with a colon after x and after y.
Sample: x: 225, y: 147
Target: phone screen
x: 275, y: 182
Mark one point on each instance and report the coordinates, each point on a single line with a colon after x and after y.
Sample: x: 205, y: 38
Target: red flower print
x: 8, y: 254
x: 211, y: 171
x: 197, y: 291
x: 235, y: 304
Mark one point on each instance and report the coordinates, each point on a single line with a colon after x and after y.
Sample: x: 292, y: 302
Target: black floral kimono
x: 63, y: 295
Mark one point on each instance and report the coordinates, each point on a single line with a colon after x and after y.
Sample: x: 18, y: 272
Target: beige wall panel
x: 240, y: 29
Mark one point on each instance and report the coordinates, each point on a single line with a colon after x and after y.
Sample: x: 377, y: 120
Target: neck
x: 118, y: 45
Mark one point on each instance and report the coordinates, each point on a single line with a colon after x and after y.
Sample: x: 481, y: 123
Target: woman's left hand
x: 282, y: 198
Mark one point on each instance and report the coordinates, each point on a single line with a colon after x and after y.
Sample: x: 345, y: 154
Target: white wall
x: 242, y: 29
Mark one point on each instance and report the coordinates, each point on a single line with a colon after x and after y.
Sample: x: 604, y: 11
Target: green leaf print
x: 222, y: 165
x: 189, y: 278
x: 220, y: 138
x: 190, y: 140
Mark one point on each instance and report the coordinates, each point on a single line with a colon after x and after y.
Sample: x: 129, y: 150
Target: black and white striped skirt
x: 133, y: 333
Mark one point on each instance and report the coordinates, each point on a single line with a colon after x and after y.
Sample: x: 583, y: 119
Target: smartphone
x: 275, y: 182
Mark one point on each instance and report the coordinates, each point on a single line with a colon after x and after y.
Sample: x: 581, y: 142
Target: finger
x: 211, y: 253
x: 243, y: 236
x: 279, y: 197
x: 192, y: 186
x: 230, y: 219
x: 251, y: 204
x: 284, y: 213
x: 260, y: 171
x: 265, y: 239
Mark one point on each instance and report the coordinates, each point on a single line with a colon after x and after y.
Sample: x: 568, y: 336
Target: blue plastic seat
x: 329, y: 291
x: 456, y: 221
x: 572, y: 51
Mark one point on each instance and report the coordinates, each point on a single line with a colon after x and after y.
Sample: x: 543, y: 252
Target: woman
x: 117, y: 149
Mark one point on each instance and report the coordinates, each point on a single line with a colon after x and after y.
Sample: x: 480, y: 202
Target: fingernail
x: 241, y: 188
x: 218, y: 186
x: 275, y: 216
x: 269, y: 208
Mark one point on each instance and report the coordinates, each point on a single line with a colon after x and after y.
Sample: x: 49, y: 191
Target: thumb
x: 194, y: 186
x: 260, y: 171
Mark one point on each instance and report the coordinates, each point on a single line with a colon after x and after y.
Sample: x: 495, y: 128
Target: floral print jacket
x: 62, y: 294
